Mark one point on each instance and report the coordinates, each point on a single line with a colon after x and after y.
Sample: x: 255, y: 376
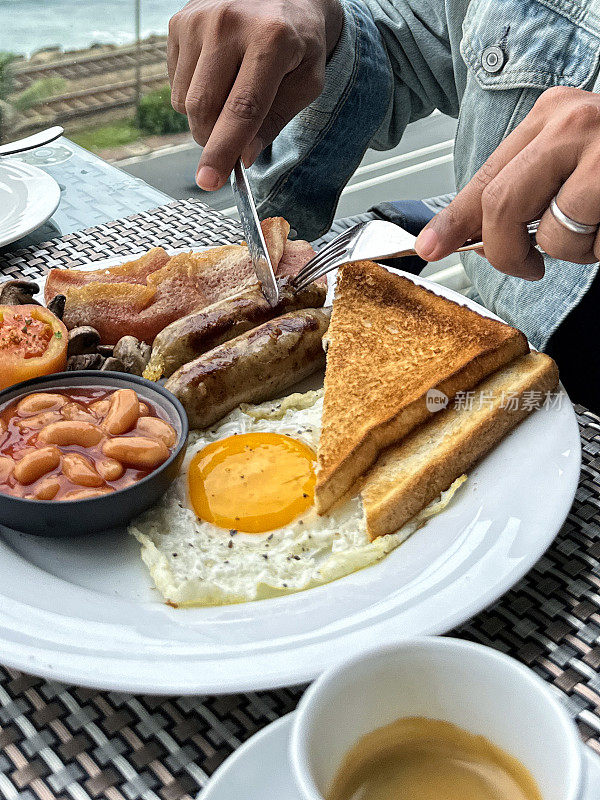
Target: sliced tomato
x: 33, y: 342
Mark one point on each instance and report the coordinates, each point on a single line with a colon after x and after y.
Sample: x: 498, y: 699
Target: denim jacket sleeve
x: 391, y: 66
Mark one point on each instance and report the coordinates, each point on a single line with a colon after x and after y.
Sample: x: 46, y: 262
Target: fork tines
x: 331, y: 256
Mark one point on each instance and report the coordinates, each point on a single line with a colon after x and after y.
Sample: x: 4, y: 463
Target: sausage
x: 253, y: 367
x: 202, y: 330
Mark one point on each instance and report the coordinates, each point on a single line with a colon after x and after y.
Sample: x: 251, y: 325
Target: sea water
x: 28, y: 25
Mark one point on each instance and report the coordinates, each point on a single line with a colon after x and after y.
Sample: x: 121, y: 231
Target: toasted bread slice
x: 391, y: 342
x: 409, y: 475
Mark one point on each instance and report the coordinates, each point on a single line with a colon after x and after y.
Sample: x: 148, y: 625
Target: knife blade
x: 253, y: 233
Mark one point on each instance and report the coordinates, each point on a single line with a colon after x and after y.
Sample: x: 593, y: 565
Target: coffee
x: 425, y: 759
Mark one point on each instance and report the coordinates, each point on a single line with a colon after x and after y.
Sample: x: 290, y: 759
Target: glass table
x: 92, y: 191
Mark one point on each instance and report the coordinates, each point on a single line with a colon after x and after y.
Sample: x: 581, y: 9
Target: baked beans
x: 80, y: 442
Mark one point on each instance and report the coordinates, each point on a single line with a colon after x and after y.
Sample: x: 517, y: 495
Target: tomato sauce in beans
x: 76, y: 443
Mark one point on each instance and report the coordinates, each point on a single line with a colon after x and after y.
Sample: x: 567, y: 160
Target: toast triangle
x: 410, y: 475
x: 390, y: 342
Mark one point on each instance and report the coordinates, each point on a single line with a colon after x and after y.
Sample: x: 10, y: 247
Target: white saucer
x: 28, y: 197
x: 260, y: 768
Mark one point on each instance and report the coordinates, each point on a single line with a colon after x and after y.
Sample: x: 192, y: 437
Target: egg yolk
x: 252, y: 482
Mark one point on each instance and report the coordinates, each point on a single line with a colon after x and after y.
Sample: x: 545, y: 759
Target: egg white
x: 193, y: 562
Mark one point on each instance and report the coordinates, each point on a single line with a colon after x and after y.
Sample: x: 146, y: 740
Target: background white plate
x: 84, y: 611
x: 28, y: 197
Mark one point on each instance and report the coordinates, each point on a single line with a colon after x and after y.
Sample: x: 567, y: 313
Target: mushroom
x: 106, y: 350
x: 57, y: 305
x: 113, y: 365
x: 85, y: 361
x: 18, y: 292
x: 133, y: 353
x: 83, y: 339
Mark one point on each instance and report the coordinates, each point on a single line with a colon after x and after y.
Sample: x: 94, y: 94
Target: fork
x: 371, y: 240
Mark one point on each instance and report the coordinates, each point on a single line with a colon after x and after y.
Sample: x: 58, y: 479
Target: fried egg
x: 239, y: 523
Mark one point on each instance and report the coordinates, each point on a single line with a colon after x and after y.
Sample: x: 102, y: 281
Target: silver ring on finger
x: 568, y: 223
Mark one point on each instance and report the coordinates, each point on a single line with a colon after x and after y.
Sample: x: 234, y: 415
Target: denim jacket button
x: 492, y: 59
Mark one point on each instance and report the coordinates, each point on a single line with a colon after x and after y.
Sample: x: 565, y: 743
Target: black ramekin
x: 54, y: 518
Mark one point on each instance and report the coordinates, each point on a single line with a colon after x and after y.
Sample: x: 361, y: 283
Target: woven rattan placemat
x: 66, y: 742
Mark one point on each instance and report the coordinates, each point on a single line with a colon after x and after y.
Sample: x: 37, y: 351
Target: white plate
x: 260, y: 767
x: 28, y: 197
x: 84, y: 611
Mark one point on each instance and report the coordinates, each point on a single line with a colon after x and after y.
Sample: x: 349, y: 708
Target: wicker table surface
x: 61, y: 741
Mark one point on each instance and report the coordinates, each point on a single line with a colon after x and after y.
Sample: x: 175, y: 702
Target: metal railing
x: 82, y: 66
x: 83, y: 102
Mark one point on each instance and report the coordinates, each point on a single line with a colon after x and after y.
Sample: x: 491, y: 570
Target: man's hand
x: 241, y: 69
x: 554, y: 151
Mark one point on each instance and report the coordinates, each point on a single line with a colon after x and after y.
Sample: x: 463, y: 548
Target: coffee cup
x: 473, y: 687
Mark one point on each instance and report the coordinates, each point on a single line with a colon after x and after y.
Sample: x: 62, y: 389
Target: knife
x: 253, y: 233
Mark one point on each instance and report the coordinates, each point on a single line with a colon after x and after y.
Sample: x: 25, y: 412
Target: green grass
x: 113, y: 135
x: 39, y: 91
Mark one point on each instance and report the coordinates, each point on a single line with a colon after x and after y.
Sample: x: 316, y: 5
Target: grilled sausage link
x: 202, y: 330
x: 256, y: 366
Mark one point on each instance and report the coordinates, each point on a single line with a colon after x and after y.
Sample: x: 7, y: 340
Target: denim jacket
x: 483, y: 61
